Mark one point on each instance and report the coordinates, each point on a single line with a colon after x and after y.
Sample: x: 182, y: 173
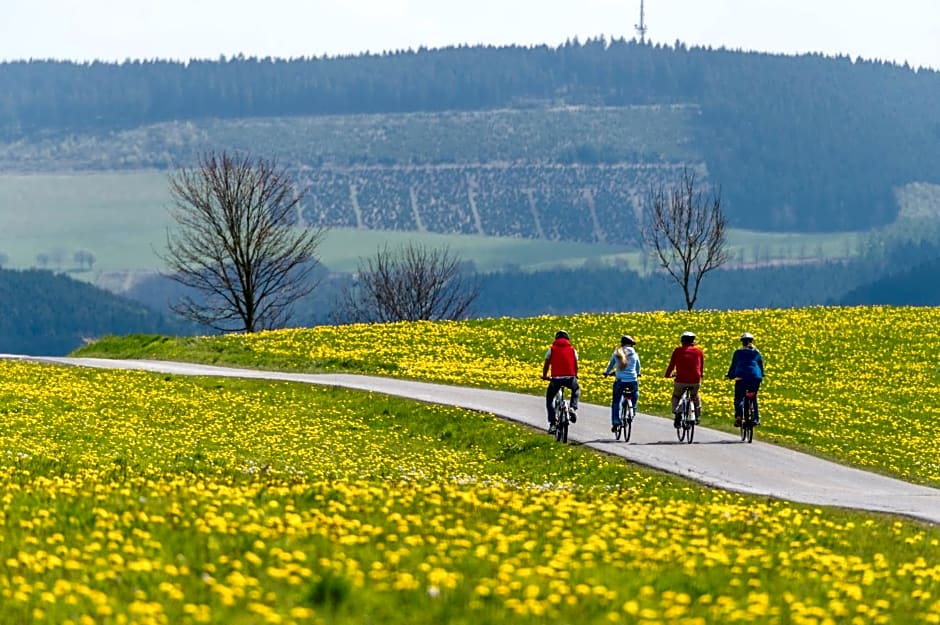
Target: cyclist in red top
x: 562, y: 359
x: 688, y: 365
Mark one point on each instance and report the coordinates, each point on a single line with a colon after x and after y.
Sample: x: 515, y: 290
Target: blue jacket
x: 631, y: 371
x: 747, y: 364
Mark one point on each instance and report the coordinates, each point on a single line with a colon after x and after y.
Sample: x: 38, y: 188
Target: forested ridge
x: 797, y: 143
x: 45, y: 313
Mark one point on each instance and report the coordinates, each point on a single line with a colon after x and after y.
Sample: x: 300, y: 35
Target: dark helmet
x: 626, y: 339
x: 561, y: 334
x: 687, y: 337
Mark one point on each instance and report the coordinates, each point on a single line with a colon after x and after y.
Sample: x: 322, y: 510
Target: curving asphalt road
x: 715, y: 458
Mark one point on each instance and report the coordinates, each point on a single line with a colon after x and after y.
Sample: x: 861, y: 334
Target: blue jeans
x: 619, y: 388
x: 740, y: 388
x: 553, y: 386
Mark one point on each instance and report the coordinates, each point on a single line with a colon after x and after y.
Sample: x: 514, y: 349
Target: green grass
x: 136, y: 497
x: 822, y: 394
x: 119, y: 217
x: 122, y: 219
x: 342, y: 249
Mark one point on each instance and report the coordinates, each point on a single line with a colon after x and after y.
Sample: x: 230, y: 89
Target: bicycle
x: 627, y: 412
x: 748, y: 418
x: 686, y: 428
x: 561, y: 417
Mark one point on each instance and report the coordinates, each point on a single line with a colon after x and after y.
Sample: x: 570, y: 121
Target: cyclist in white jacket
x: 625, y: 366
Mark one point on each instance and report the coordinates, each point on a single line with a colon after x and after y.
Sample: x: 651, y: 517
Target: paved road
x: 715, y: 458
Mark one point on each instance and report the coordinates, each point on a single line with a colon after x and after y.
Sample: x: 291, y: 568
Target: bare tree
x: 235, y: 248
x: 410, y: 283
x: 685, y: 231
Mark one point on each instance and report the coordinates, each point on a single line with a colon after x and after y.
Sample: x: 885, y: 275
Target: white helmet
x: 747, y: 336
x: 687, y: 337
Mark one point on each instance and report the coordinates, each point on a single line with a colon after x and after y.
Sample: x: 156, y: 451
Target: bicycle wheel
x: 561, y: 434
x: 680, y: 431
x: 688, y: 423
x: 750, y: 421
x: 561, y: 424
x: 627, y: 425
x: 621, y: 428
x: 747, y: 428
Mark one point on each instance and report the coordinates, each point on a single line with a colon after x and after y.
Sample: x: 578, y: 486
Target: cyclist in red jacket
x: 688, y: 365
x: 562, y: 360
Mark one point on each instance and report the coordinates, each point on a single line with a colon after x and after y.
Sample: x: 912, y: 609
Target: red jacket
x: 562, y: 359
x: 688, y: 362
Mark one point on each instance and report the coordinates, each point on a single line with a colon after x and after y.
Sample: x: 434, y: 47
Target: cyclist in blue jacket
x: 747, y: 370
x: 625, y: 366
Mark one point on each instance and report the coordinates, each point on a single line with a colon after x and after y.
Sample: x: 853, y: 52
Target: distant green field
x: 121, y: 218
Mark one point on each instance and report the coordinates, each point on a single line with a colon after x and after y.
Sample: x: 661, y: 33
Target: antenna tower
x: 641, y: 27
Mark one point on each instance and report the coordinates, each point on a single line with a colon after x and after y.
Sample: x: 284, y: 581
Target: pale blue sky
x: 896, y: 30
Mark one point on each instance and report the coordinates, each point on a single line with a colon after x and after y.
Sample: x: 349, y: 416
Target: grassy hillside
x: 854, y: 384
x: 146, y: 498
x: 648, y: 133
x: 121, y: 218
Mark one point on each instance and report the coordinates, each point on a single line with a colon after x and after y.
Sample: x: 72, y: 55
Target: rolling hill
x: 501, y: 152
x: 51, y: 314
x: 807, y: 143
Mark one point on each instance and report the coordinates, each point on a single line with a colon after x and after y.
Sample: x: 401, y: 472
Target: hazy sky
x: 896, y: 30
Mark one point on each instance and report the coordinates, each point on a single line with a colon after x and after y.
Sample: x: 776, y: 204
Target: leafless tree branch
x: 410, y: 283
x: 234, y: 246
x: 685, y: 231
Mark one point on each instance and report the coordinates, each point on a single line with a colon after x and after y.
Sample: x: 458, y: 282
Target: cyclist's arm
x: 546, y: 364
x: 610, y: 364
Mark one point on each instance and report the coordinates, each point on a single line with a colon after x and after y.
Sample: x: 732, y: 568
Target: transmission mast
x: 641, y: 27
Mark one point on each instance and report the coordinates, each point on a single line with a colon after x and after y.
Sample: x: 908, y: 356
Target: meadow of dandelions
x: 857, y: 384
x: 130, y: 497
